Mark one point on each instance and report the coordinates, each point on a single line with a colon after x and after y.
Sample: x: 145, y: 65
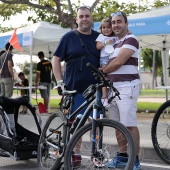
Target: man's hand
x: 60, y: 86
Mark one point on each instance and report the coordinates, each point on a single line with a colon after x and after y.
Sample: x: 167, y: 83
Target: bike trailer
x: 15, y: 140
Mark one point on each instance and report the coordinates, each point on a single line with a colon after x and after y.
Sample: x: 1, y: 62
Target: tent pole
x: 153, y: 70
x: 139, y: 66
x: 31, y: 64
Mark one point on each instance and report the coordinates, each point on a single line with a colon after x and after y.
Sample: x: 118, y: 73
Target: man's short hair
x: 8, y: 46
x: 20, y: 74
x: 83, y: 7
x: 40, y: 54
x: 3, y: 51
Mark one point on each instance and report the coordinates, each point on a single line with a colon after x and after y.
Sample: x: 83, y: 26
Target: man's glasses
x: 84, y: 7
x: 117, y: 13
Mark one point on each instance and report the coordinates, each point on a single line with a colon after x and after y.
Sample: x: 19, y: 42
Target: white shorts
x: 124, y: 110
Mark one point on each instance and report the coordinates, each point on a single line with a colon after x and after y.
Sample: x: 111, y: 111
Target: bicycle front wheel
x: 106, y: 146
x: 52, y: 142
x: 160, y: 132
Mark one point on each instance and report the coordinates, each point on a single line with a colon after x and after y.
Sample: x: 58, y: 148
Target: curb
x: 148, y: 154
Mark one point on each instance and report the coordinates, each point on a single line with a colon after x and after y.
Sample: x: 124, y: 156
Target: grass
x: 54, y: 103
x: 150, y: 105
x: 152, y: 93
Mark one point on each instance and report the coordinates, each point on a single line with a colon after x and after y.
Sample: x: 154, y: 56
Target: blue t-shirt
x: 77, y: 76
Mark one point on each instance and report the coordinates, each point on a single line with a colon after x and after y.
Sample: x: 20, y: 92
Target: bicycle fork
x: 96, y: 133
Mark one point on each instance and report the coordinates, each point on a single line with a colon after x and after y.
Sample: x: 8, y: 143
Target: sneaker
x: 97, y: 163
x: 137, y: 165
x: 76, y: 161
x: 117, y: 162
x: 105, y: 102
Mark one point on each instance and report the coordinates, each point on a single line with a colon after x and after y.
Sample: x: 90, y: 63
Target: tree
x: 147, y: 58
x: 63, y: 11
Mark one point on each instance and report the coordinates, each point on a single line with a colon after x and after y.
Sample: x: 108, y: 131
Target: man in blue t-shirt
x: 77, y: 76
x: 76, y: 54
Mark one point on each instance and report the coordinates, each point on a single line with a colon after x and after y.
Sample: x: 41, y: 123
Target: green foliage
x: 147, y: 57
x: 63, y: 11
x: 159, y: 3
x: 25, y: 67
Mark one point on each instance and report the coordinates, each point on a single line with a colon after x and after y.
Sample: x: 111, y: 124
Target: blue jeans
x: 79, y: 99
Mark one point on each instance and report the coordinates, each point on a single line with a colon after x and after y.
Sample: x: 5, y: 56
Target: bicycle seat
x: 10, y: 102
x: 66, y: 92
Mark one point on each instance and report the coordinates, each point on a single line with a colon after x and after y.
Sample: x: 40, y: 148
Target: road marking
x: 156, y: 165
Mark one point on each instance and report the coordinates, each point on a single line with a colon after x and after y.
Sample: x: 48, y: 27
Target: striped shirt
x: 128, y: 72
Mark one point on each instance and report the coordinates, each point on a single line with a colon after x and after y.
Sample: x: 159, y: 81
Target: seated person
x: 24, y: 83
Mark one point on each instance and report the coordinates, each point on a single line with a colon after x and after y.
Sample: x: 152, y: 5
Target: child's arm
x: 100, y: 45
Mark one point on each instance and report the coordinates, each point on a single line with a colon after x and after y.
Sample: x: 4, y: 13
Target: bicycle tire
x: 160, y: 132
x: 49, y: 158
x: 109, y: 146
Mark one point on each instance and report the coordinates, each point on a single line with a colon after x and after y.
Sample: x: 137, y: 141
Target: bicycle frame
x: 93, y: 104
x: 69, y: 127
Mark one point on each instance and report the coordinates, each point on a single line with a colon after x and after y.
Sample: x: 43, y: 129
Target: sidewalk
x: 152, y: 99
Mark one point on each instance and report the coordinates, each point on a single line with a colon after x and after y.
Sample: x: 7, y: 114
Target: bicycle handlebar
x: 102, y: 78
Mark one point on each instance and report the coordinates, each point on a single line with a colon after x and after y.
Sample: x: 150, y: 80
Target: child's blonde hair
x: 106, y: 20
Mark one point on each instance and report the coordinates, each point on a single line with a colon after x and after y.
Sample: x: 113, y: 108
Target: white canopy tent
x: 44, y: 36
x: 153, y: 31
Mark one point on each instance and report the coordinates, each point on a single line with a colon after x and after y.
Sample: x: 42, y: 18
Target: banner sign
x: 146, y: 26
x: 25, y: 39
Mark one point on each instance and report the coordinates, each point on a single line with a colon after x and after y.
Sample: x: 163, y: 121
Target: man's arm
x: 57, y: 68
x: 116, y: 63
x: 10, y: 67
x: 37, y: 79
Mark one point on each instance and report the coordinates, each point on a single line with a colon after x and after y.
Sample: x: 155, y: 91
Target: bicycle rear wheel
x: 160, y: 132
x: 106, y: 146
x: 52, y: 142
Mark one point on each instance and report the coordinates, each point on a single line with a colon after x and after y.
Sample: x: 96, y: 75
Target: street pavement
x: 148, y: 157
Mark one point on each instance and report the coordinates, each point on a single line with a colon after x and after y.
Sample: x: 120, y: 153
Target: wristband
x: 105, y: 43
x: 59, y: 81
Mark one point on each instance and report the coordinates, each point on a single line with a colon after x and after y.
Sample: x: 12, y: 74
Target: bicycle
x: 58, y: 140
x: 160, y: 132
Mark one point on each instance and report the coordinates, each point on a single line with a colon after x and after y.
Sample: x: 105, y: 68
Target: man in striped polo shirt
x: 122, y: 70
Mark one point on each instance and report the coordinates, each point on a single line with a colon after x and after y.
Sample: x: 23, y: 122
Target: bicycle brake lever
x: 110, y: 100
x: 119, y: 97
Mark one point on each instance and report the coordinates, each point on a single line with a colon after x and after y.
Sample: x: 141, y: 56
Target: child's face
x: 106, y: 29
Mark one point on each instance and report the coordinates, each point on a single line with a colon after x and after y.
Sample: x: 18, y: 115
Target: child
x: 105, y: 38
x: 24, y: 83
